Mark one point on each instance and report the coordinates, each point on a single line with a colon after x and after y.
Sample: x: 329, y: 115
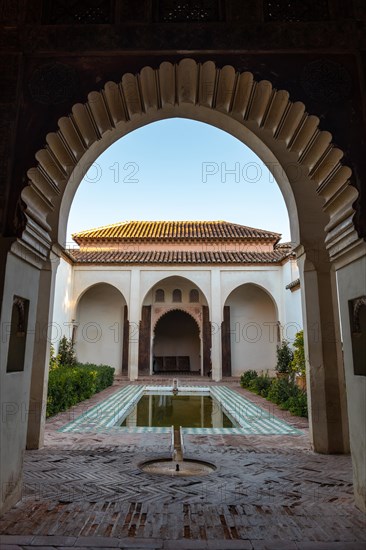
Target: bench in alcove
x: 171, y: 364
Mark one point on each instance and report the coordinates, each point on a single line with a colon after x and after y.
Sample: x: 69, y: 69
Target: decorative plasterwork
x: 256, y: 105
x: 159, y: 311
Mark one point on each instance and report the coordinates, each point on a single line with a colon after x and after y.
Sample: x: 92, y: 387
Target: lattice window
x: 295, y: 10
x: 189, y: 10
x: 78, y: 12
x: 194, y: 295
x: 159, y: 295
x: 177, y: 295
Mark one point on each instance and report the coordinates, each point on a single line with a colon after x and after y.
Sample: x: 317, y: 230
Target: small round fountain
x: 181, y: 468
x: 177, y: 465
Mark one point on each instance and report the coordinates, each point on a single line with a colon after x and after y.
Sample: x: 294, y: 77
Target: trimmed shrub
x: 288, y: 396
x: 68, y: 385
x: 280, y: 391
x: 247, y: 377
x: 298, y: 404
x: 260, y: 385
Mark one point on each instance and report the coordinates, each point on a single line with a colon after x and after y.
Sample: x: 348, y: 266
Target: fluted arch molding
x: 305, y: 163
x: 188, y: 311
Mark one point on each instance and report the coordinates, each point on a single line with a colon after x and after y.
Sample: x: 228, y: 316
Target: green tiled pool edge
x: 252, y: 419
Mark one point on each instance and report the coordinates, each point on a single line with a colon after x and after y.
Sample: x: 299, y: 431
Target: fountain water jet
x: 177, y: 465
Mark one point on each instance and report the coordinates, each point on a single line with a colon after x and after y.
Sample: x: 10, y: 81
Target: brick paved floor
x: 86, y: 490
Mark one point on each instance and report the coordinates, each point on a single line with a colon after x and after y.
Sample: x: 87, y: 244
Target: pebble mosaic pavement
x: 85, y: 490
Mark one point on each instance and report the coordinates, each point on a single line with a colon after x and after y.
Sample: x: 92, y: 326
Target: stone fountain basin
x: 168, y: 467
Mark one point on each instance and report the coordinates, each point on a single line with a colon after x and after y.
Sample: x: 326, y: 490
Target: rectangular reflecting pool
x: 214, y: 409
x: 188, y: 411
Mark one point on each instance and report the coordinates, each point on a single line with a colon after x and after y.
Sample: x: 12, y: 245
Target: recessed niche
x: 159, y: 295
x: 177, y: 295
x: 357, y: 311
x: 18, y: 335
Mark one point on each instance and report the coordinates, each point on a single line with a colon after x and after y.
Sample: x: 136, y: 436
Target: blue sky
x: 179, y: 169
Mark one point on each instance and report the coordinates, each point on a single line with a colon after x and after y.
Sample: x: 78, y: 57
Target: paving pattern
x: 86, y: 490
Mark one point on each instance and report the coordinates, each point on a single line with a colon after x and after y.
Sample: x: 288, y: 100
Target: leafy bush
x: 260, y: 385
x: 298, y: 404
x: 66, y: 352
x: 284, y: 358
x: 280, y: 391
x: 298, y: 364
x: 247, y: 377
x: 54, y: 359
x: 68, y: 385
x: 288, y: 396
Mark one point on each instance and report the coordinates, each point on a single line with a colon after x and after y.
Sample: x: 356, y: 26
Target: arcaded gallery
x: 176, y: 272
x: 171, y: 382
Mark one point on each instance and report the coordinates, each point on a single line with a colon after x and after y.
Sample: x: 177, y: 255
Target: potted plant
x: 298, y: 364
x: 284, y: 360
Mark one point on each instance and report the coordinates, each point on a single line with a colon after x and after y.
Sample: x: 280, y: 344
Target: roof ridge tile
x: 177, y: 229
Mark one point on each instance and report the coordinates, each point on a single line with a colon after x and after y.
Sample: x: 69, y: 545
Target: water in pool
x: 188, y: 411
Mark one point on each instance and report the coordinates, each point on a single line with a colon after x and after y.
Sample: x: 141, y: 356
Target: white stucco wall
x: 351, y: 281
x: 292, y: 320
x: 21, y: 279
x: 63, y: 305
x: 267, y: 277
x: 169, y: 285
x: 86, y: 276
x: 198, y: 277
x: 99, y: 335
x: 253, y: 325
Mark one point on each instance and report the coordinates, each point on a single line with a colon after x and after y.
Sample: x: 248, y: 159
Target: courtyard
x: 269, y: 98
x: 85, y: 489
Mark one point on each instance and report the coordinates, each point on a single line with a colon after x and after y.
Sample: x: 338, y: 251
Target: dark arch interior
x: 177, y: 347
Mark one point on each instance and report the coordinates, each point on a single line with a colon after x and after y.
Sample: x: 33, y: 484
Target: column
x: 325, y: 378
x: 226, y: 343
x: 351, y: 276
x: 41, y: 355
x: 126, y: 340
x: 134, y: 322
x: 145, y: 341
x: 206, y: 340
x: 216, y: 320
x: 21, y: 278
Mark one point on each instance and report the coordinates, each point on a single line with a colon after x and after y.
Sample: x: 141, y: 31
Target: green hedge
x: 247, y: 377
x: 281, y: 391
x: 68, y: 385
x: 260, y: 385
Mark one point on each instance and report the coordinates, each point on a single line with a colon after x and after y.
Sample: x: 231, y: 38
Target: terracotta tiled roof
x: 285, y: 248
x: 286, y: 245
x: 174, y: 230
x: 293, y: 284
x: 176, y: 257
